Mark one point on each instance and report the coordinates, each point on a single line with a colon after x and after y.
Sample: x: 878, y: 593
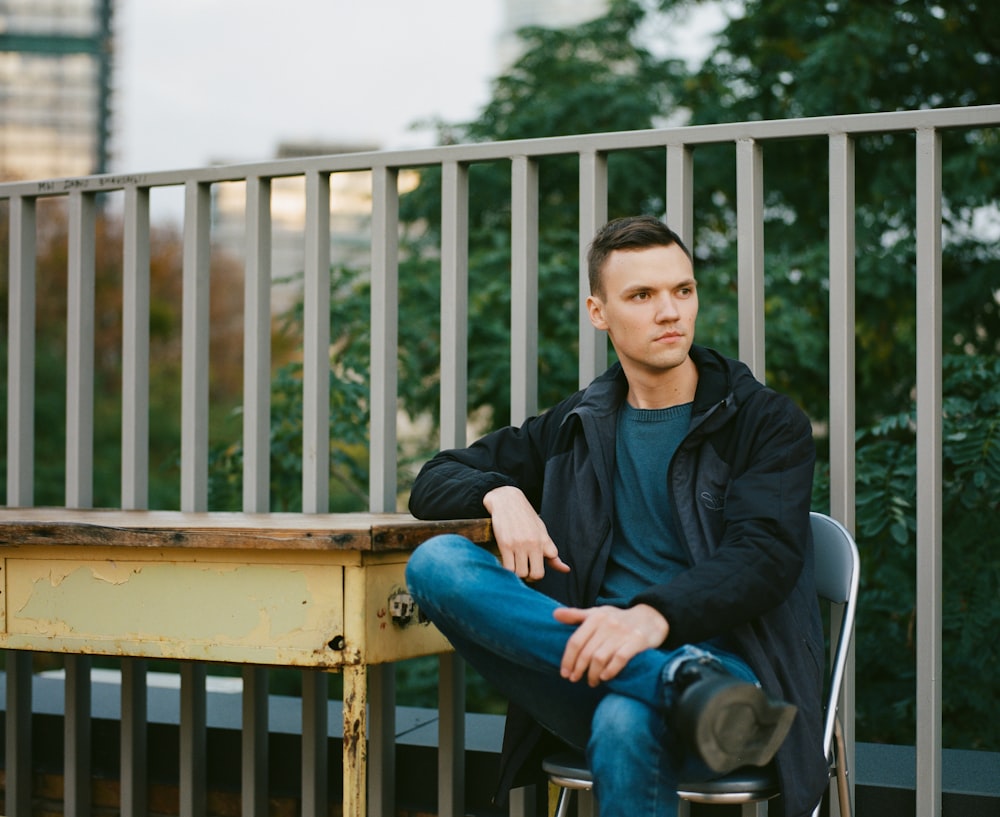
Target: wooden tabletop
x: 277, y: 531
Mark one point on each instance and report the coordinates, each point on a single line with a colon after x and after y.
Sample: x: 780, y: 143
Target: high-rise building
x: 55, y: 87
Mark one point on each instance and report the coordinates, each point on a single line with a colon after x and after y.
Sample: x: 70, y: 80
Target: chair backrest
x: 838, y: 569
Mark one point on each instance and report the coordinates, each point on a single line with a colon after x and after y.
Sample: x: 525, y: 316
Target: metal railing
x: 316, y: 175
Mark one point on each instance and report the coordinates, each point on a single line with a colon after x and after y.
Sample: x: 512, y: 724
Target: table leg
x: 355, y: 743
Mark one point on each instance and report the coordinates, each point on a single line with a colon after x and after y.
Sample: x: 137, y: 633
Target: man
x: 654, y: 601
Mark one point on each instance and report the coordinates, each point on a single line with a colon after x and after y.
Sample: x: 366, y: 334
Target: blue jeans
x: 506, y: 631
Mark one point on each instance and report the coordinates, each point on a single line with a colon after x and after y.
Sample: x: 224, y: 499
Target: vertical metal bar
x: 384, y: 316
x: 254, y: 747
x: 256, y: 465
x: 80, y: 351
x: 316, y: 460
x: 382, y: 480
x: 929, y: 472
x: 451, y: 735
x: 454, y: 303
x: 21, y: 354
x: 454, y: 408
x: 316, y: 347
x: 842, y: 328
x: 750, y: 253
x: 381, y: 760
x: 135, y: 475
x: 134, y: 749
x: 524, y: 289
x: 680, y: 192
x: 193, y: 754
x: 76, y: 749
x: 194, y: 376
x: 135, y: 350
x: 842, y: 378
x: 18, y: 772
x: 521, y: 802
x: 257, y: 348
x: 593, y: 215
x: 315, y: 718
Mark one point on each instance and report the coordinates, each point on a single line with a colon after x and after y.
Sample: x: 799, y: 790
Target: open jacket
x: 740, y: 484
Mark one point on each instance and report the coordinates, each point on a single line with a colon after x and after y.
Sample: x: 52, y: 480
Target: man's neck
x: 658, y: 390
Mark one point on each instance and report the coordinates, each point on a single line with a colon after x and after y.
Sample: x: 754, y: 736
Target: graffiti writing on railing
x: 89, y: 183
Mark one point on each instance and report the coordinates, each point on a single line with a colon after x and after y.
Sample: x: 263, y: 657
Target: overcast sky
x: 200, y: 81
x: 204, y: 81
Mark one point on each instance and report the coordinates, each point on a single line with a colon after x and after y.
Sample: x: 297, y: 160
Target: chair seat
x: 569, y: 770
x: 745, y: 785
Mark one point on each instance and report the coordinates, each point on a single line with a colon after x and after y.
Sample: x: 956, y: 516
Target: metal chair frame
x: 838, y: 569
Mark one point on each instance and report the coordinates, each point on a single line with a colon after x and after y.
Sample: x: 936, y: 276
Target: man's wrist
x: 494, y: 495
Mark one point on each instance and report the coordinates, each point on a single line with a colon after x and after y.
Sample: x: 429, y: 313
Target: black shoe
x: 730, y: 723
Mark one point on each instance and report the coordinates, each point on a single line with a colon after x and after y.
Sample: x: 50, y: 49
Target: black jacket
x: 740, y: 483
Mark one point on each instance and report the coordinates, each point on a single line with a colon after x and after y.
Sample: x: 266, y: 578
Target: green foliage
x: 349, y: 411
x: 886, y: 532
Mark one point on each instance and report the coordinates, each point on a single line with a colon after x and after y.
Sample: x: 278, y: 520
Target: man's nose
x: 666, y: 308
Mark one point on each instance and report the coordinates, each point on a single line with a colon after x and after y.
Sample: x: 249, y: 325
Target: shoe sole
x: 740, y: 726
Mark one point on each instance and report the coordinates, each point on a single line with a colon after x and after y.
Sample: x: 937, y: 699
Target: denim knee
x: 431, y: 563
x: 632, y: 759
x: 620, y: 720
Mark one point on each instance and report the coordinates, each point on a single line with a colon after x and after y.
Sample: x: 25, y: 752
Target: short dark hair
x: 628, y: 233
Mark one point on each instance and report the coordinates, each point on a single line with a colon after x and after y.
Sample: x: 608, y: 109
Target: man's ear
x: 595, y: 309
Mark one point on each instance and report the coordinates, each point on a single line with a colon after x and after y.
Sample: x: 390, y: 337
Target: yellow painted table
x: 295, y: 590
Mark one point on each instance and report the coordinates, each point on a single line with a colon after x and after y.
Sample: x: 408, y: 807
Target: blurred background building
x: 55, y: 87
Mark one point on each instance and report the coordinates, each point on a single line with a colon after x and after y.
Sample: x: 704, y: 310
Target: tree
x: 814, y: 58
x: 777, y: 59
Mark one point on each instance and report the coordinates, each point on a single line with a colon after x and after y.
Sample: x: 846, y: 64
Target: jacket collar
x: 720, y: 380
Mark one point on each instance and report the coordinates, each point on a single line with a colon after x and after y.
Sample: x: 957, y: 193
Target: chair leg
x: 562, y: 803
x: 586, y: 805
x: 758, y: 809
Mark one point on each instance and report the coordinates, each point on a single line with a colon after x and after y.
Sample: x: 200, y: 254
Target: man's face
x: 648, y: 307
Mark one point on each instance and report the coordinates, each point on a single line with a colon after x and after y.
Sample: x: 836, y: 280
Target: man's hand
x: 607, y: 638
x: 523, y: 540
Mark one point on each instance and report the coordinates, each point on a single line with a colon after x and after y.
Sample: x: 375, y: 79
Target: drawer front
x: 208, y: 610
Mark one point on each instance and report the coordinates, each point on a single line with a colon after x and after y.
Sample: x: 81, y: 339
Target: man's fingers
x: 556, y: 563
x: 605, y: 640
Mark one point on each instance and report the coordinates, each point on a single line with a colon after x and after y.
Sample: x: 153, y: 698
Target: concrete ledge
x: 886, y: 779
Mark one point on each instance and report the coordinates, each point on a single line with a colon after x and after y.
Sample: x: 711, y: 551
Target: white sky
x: 202, y: 81
x: 227, y: 80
